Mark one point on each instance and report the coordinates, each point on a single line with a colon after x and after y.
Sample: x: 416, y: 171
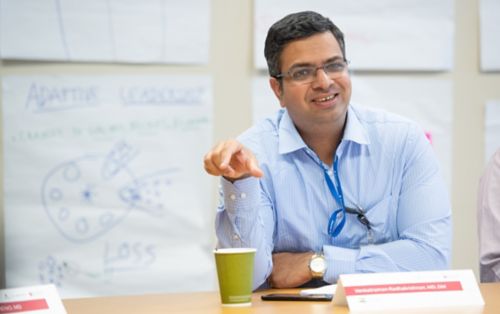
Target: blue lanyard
x: 333, y: 228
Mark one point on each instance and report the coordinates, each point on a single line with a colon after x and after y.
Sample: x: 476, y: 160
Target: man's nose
x: 321, y: 79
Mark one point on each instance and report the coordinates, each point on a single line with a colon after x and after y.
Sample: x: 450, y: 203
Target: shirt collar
x: 290, y: 139
x: 354, y: 130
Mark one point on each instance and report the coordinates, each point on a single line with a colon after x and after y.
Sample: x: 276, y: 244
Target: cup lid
x: 235, y: 250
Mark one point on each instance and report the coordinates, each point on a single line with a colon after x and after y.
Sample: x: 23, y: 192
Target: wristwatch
x: 317, y: 265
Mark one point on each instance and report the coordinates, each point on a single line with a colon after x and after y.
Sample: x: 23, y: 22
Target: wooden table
x: 208, y: 302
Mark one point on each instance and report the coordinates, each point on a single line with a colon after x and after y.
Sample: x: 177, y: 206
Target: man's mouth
x: 325, y: 99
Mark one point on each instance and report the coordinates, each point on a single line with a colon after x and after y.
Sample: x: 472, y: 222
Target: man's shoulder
x: 387, y: 127
x: 380, y: 121
x: 372, y: 115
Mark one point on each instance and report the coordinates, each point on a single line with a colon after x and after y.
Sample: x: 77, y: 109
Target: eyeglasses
x: 307, y: 74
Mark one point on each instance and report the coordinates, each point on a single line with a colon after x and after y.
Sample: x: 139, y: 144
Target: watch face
x: 318, y: 264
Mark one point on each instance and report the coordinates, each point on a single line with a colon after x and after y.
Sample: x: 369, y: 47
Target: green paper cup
x: 235, y: 273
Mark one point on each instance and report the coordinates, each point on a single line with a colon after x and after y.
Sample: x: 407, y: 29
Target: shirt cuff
x: 240, y: 195
x: 339, y: 261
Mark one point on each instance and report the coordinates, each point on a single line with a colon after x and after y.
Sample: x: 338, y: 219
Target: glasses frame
x: 331, y: 75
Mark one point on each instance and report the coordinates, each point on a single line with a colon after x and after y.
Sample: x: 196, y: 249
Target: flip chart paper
x: 379, y: 35
x: 489, y: 14
x: 103, y: 189
x: 148, y: 31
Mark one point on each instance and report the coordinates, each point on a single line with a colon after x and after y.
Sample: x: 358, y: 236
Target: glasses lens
x: 334, y: 67
x: 302, y: 74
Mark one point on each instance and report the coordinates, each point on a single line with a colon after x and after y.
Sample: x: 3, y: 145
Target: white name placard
x: 408, y: 290
x: 36, y: 299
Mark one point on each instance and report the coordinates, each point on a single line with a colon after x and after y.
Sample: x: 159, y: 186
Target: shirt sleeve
x: 424, y: 231
x: 488, y: 217
x: 245, y: 219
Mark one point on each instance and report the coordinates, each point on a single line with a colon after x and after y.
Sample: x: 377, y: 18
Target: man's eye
x: 334, y: 67
x: 302, y: 73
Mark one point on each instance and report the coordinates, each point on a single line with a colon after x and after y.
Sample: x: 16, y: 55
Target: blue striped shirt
x: 386, y: 166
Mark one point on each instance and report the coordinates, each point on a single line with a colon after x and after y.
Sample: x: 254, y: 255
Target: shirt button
x: 232, y: 196
x: 243, y: 195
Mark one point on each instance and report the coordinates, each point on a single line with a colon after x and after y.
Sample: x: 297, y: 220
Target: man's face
x: 324, y: 100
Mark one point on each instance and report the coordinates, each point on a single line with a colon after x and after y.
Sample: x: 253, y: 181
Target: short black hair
x: 296, y: 26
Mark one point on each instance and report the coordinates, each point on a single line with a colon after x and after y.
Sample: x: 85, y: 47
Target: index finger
x: 228, y: 151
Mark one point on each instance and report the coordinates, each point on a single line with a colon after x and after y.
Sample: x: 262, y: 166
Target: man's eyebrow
x: 302, y: 64
x: 306, y: 64
x: 336, y: 58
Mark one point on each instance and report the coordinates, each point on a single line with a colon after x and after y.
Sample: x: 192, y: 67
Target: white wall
x: 231, y: 66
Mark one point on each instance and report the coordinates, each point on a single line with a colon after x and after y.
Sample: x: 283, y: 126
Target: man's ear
x: 277, y: 89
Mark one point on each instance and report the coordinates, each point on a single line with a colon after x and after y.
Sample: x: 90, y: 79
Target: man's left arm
x: 423, y: 223
x: 423, y: 226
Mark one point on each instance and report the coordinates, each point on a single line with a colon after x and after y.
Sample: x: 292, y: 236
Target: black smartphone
x: 296, y: 297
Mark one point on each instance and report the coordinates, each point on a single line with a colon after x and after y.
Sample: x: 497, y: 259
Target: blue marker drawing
x: 149, y: 193
x: 51, y: 272
x: 161, y: 96
x: 42, y: 98
x: 54, y: 271
x: 117, y: 159
x: 89, y: 195
x: 127, y: 256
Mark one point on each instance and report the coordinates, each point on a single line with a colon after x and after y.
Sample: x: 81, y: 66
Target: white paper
x: 328, y: 289
x: 489, y: 13
x: 34, y: 299
x: 148, y: 31
x: 408, y: 290
x: 103, y: 189
x: 426, y: 101
x: 379, y: 35
x: 492, y: 129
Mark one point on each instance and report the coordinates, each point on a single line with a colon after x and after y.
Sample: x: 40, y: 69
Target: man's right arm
x: 244, y: 217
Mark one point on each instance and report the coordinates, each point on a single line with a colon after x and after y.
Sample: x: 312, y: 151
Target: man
x: 326, y: 188
x: 489, y: 221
